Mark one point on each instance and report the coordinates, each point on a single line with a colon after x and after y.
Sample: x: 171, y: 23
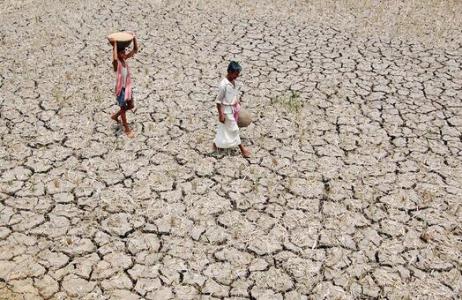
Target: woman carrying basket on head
x: 123, y: 89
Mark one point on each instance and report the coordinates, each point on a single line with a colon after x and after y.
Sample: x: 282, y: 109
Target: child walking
x: 228, y: 107
x: 123, y: 89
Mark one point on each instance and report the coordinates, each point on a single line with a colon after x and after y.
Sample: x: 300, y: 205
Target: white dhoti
x: 227, y: 133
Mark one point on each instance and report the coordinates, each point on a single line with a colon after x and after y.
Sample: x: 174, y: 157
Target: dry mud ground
x: 353, y: 190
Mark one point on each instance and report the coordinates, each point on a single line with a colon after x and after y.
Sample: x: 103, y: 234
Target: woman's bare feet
x: 115, y: 118
x: 130, y: 134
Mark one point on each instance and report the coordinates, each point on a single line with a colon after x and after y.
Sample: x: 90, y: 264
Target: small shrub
x: 290, y: 102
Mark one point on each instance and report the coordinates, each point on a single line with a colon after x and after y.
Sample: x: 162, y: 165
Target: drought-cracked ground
x: 353, y: 190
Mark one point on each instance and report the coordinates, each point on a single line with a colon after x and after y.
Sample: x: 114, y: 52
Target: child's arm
x: 221, y: 115
x: 218, y: 101
x: 114, y: 50
x: 114, y: 55
x: 135, y: 47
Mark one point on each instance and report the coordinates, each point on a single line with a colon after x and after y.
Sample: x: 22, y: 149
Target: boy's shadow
x: 230, y: 152
x: 224, y: 153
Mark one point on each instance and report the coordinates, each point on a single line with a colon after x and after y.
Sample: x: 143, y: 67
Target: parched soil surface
x: 354, y: 185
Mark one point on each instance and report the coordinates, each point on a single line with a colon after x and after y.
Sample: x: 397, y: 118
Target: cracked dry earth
x: 353, y: 189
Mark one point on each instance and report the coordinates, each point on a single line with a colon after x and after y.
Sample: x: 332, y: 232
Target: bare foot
x: 115, y: 118
x: 245, y: 152
x: 130, y: 134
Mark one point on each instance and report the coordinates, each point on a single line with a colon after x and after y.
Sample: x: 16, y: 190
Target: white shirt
x: 124, y: 76
x: 228, y: 95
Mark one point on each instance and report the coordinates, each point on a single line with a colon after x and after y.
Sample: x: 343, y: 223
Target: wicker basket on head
x: 123, y: 39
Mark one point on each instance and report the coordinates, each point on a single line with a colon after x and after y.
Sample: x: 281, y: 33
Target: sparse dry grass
x: 429, y: 21
x: 290, y: 102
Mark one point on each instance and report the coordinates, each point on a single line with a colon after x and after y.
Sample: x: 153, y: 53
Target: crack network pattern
x: 353, y: 189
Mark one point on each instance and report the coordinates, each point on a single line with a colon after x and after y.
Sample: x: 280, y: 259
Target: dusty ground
x: 353, y: 191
